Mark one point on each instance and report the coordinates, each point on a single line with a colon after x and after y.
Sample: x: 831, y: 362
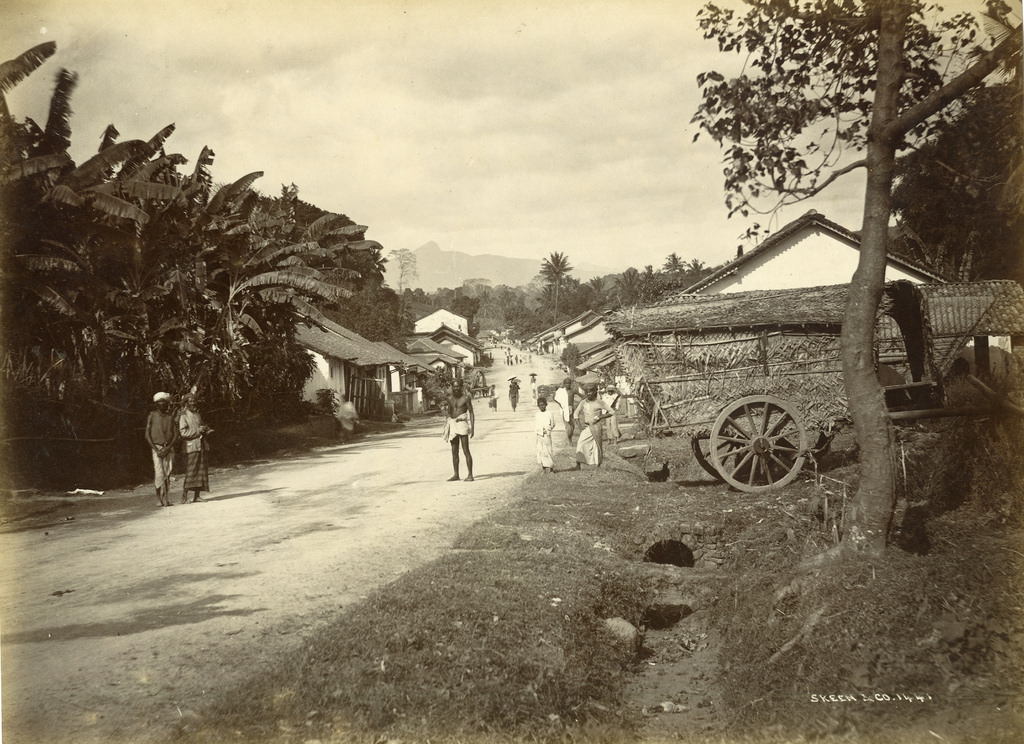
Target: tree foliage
x: 821, y: 80
x: 966, y: 171
x: 130, y: 272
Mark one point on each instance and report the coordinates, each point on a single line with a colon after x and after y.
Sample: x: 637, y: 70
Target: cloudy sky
x: 510, y: 128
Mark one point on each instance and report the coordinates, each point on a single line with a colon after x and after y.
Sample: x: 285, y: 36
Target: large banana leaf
x: 50, y: 296
x: 58, y: 123
x: 132, y: 164
x: 201, y: 174
x: 323, y: 225
x: 13, y: 71
x: 148, y: 170
x: 301, y: 278
x: 363, y: 245
x: 150, y: 190
x: 272, y: 253
x: 231, y: 191
x: 110, y: 135
x: 36, y: 165
x: 38, y: 262
x: 61, y: 194
x: 94, y: 170
x: 301, y: 305
x: 116, y: 207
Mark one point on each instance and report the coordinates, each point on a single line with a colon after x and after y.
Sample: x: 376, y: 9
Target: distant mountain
x: 439, y: 268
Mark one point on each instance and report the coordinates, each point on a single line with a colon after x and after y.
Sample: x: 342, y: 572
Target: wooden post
x: 982, y: 358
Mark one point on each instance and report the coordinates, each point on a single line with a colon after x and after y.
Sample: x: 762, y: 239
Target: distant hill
x: 439, y: 268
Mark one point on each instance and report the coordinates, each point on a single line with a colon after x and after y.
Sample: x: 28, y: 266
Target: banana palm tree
x: 554, y: 269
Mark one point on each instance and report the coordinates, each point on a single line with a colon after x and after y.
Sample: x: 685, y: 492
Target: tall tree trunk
x: 871, y: 513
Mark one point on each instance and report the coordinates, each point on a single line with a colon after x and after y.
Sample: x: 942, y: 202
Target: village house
x: 379, y: 379
x: 588, y: 327
x: 437, y: 357
x: 810, y: 251
x: 439, y: 318
x: 455, y: 343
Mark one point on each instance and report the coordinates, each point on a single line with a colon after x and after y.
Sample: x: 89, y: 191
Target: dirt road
x: 117, y: 622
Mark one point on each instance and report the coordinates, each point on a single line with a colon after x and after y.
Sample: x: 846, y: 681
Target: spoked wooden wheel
x: 701, y: 445
x: 758, y: 443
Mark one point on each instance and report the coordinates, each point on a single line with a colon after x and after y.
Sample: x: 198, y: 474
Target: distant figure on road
x: 161, y: 436
x: 589, y: 414
x: 566, y: 399
x: 194, y: 431
x: 533, y: 385
x: 513, y: 392
x: 459, y: 427
x: 348, y: 416
x: 543, y: 425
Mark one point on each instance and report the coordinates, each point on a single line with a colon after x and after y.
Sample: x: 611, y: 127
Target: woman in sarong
x: 194, y: 431
x: 590, y: 414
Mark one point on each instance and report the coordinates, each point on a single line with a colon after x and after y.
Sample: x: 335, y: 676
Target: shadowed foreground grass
x: 503, y: 638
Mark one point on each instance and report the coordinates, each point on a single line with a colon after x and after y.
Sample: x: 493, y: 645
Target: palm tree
x: 674, y: 264
x: 598, y: 292
x: 627, y: 286
x: 553, y: 270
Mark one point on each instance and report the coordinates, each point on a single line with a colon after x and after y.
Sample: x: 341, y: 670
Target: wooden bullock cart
x: 755, y: 378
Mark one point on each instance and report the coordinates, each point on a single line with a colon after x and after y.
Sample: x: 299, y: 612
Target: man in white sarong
x: 543, y: 425
x: 590, y: 414
x: 459, y: 428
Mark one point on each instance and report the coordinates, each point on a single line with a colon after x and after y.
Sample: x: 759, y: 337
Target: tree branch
x: 817, y: 189
x: 955, y: 88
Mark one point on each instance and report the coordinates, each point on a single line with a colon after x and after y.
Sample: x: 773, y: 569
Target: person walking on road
x: 566, y: 399
x: 460, y: 427
x: 590, y: 414
x: 194, y: 431
x: 543, y: 425
x: 161, y: 436
x: 348, y: 416
x: 513, y: 392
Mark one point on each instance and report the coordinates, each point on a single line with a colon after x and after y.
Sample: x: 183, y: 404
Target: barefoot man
x: 459, y: 427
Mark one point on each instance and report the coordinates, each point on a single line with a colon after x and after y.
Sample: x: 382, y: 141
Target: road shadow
x: 229, y: 496
x: 153, y: 618
x: 506, y: 474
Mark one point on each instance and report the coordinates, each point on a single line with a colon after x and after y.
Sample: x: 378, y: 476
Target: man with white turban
x: 161, y: 436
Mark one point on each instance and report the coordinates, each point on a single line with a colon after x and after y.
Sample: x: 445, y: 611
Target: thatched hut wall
x: 683, y: 380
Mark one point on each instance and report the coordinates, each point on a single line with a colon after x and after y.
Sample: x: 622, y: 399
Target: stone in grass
x: 626, y: 635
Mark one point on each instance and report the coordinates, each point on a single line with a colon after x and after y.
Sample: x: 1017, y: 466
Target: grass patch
x: 503, y: 638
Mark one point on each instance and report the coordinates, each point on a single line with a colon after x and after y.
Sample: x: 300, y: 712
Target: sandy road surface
x: 114, y: 625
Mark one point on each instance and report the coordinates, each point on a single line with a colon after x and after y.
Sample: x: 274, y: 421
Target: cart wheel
x: 759, y: 443
x: 701, y: 445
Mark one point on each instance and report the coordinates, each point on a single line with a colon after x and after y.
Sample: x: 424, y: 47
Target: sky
x: 498, y: 127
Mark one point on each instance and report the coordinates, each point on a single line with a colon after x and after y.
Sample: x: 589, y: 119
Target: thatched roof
x: 960, y: 309
x: 339, y: 342
x: 991, y: 308
x: 802, y: 306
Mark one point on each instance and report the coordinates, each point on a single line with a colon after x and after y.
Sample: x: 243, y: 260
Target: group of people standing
x: 589, y: 416
x: 164, y: 430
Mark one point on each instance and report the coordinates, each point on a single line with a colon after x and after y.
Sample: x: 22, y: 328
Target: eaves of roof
x: 808, y: 219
